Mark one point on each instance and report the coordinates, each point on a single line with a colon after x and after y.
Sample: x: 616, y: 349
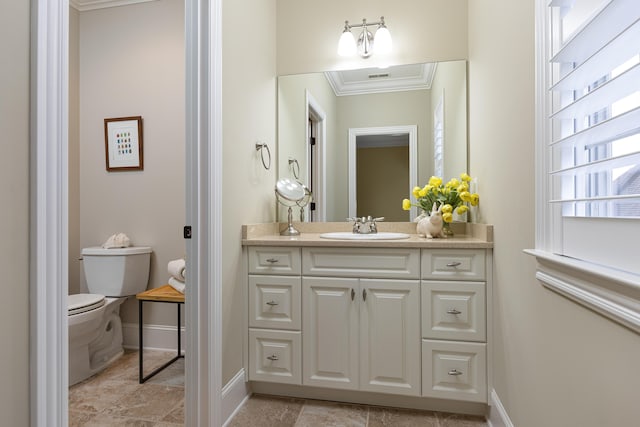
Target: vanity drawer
x: 275, y: 356
x: 453, y: 264
x: 454, y: 370
x: 361, y: 262
x: 274, y: 302
x: 274, y: 260
x: 454, y: 310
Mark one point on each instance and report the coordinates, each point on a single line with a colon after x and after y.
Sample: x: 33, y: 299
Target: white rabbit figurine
x: 431, y: 226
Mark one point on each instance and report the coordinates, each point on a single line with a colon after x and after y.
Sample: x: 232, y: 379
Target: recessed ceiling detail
x: 84, y: 5
x: 377, y: 80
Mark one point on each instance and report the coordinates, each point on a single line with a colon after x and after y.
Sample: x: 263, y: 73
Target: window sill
x: 611, y: 293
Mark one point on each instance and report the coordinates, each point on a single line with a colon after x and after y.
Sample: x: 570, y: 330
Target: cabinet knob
x: 272, y: 260
x: 454, y: 372
x: 273, y: 357
x: 453, y: 311
x: 271, y: 303
x: 353, y: 294
x: 453, y: 264
x: 364, y: 294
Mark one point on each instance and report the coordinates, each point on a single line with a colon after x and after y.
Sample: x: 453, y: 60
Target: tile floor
x: 114, y: 398
x: 269, y: 411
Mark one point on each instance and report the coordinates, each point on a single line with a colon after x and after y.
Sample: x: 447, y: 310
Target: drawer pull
x: 272, y: 260
x: 454, y: 372
x: 273, y: 357
x: 353, y: 294
x: 453, y: 264
x: 364, y: 294
x: 453, y: 311
x: 271, y: 303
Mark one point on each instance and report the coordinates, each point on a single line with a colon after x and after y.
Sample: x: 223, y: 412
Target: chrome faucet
x: 365, y: 225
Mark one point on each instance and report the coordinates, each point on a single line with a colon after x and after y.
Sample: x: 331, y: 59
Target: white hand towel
x: 177, y: 284
x: 118, y: 240
x: 176, y: 269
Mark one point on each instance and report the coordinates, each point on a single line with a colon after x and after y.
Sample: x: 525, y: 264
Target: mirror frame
x: 423, y: 167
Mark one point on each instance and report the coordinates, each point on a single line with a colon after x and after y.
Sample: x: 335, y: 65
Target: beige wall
x: 555, y: 363
x: 292, y: 124
x: 422, y: 31
x: 249, y: 115
x: 14, y: 214
x: 380, y: 109
x: 137, y: 69
x: 74, y: 150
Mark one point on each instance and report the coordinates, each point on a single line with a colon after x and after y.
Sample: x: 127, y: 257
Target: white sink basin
x: 347, y: 235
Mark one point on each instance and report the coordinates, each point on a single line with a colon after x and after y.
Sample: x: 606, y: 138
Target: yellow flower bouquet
x: 452, y: 196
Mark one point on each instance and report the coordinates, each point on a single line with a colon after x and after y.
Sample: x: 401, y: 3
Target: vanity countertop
x: 466, y: 236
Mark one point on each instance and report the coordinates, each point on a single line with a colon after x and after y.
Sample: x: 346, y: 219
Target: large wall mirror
x: 362, y: 139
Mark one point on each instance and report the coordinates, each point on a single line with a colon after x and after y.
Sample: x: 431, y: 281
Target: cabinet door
x: 390, y: 336
x: 454, y: 370
x: 454, y: 310
x: 274, y: 356
x: 330, y: 330
x: 274, y: 302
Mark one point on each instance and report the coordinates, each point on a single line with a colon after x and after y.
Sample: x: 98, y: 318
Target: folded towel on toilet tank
x: 118, y: 240
x: 176, y: 268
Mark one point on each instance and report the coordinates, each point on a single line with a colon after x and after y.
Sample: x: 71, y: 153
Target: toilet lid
x: 80, y: 303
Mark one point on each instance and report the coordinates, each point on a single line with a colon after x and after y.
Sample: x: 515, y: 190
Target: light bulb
x: 382, y: 43
x: 347, y: 44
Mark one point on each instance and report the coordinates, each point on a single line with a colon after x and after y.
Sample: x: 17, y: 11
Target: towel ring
x: 295, y: 168
x: 261, y: 147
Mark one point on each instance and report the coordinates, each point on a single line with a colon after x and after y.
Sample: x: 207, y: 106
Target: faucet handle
x: 378, y: 219
x: 354, y: 219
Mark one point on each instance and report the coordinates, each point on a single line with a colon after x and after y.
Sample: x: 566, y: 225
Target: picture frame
x: 123, y: 143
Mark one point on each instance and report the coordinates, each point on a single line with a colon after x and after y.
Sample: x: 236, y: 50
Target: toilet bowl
x: 95, y: 337
x: 95, y: 327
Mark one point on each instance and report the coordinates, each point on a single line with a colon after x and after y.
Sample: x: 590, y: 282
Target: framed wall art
x: 123, y: 143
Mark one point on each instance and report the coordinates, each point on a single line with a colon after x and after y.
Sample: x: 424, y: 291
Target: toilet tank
x: 117, y: 272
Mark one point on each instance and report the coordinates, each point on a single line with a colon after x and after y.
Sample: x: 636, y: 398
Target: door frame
x: 315, y: 111
x: 412, y: 130
x: 48, y: 256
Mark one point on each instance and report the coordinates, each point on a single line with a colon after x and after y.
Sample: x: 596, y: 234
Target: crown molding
x: 85, y: 5
x: 370, y: 80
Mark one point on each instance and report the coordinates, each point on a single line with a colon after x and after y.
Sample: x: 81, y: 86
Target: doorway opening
x: 390, y: 154
x: 49, y: 213
x: 316, y: 154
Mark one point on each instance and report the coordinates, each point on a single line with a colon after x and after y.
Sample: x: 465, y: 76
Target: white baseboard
x: 156, y: 337
x: 498, y: 416
x: 234, y: 394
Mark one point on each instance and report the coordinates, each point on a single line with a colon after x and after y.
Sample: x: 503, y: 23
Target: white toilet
x: 95, y: 328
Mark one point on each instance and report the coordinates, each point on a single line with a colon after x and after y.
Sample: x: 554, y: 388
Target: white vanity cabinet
x: 453, y: 286
x: 405, y: 318
x: 275, y: 340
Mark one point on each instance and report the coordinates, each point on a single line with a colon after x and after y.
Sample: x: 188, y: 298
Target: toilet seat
x: 81, y: 303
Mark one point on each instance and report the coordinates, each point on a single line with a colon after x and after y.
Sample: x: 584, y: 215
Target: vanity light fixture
x: 366, y: 44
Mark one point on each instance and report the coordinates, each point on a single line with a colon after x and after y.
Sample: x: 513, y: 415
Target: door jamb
x: 48, y: 256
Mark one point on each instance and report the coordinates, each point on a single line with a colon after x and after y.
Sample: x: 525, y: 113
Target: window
x: 588, y: 63
x: 438, y: 138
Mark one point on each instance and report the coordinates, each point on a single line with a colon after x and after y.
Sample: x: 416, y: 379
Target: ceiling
x: 376, y: 80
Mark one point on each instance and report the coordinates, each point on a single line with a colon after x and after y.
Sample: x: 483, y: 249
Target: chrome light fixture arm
x: 365, y: 39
